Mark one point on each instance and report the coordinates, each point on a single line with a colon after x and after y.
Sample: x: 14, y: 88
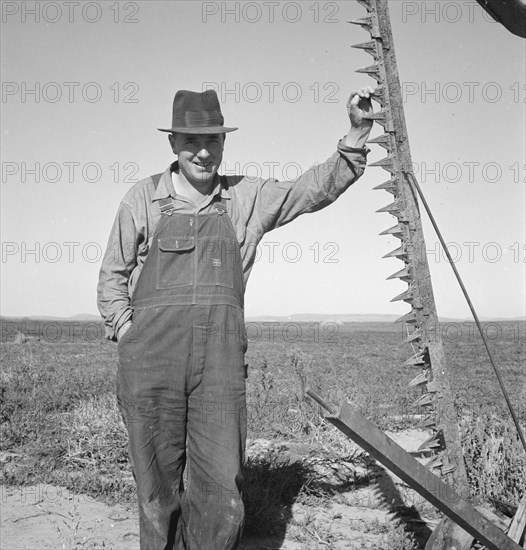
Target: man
x: 171, y: 292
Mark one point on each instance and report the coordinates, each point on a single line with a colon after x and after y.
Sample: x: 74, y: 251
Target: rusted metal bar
x: 518, y: 524
x: 444, y: 497
x: 422, y: 319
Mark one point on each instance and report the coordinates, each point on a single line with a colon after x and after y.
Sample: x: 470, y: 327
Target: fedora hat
x: 197, y: 113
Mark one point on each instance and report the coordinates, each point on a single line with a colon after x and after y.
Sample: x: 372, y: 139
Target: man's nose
x: 203, y: 153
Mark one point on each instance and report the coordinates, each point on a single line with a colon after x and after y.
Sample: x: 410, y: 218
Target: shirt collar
x: 165, y: 188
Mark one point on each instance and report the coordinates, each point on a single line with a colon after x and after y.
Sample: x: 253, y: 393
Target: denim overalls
x: 181, y: 383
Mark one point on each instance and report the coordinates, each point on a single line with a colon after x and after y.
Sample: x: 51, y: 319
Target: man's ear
x: 224, y: 138
x: 171, y: 139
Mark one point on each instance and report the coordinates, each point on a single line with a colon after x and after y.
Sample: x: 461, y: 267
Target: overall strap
x: 165, y: 205
x: 221, y: 205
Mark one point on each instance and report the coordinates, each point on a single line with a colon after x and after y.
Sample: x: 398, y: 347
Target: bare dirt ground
x: 48, y: 517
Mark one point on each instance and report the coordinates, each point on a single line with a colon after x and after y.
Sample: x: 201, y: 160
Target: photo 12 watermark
x: 69, y: 92
x: 39, y: 494
x: 458, y: 11
x: 274, y: 91
x: 75, y: 172
x: 270, y: 12
x: 469, y: 171
x: 464, y: 92
x: 37, y: 12
x: 467, y: 331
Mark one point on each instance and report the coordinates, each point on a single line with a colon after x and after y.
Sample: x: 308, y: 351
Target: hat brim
x: 199, y: 130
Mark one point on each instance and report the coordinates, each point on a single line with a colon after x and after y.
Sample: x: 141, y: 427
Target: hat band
x: 198, y: 119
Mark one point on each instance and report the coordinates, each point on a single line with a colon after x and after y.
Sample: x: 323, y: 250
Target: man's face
x: 199, y: 156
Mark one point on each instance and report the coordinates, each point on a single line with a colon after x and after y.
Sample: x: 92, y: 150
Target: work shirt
x: 255, y: 206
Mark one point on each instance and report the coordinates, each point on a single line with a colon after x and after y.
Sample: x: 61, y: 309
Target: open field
x: 60, y: 426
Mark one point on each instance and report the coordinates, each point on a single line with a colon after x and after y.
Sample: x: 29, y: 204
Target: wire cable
x: 412, y: 181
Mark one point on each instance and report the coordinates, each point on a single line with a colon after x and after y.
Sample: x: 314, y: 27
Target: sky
x: 85, y: 85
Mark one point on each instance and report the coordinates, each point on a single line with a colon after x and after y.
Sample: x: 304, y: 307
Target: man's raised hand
x: 358, y: 108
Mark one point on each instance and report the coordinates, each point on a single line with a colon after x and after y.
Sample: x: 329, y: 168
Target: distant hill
x: 82, y: 317
x: 357, y: 318
x: 295, y: 318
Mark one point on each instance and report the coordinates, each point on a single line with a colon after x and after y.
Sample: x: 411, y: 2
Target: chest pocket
x: 175, y: 262
x: 216, y: 257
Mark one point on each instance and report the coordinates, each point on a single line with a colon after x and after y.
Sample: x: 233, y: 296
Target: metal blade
x: 393, y: 207
x: 397, y: 253
x: 373, y: 71
x: 389, y: 186
x: 420, y: 379
x: 408, y: 317
x: 415, y: 360
x: 379, y: 95
x: 415, y: 335
x: 403, y: 275
x: 384, y: 118
x: 383, y: 140
x: 366, y: 4
x: 435, y: 463
x: 396, y: 230
x: 365, y: 22
x: 369, y: 47
x: 406, y: 296
x: 386, y: 163
x: 427, y: 422
x: 432, y: 443
x: 425, y: 400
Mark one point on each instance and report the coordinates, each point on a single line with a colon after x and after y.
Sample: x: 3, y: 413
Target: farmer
x: 171, y: 292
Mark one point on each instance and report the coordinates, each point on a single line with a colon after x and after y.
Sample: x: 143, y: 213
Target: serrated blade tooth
x: 447, y: 470
x: 382, y: 117
x: 365, y: 22
x: 417, y: 359
x: 420, y: 379
x: 373, y: 71
x: 396, y: 253
x: 386, y: 163
x: 424, y: 400
x: 403, y: 275
x: 406, y: 296
x: 392, y: 207
x: 433, y: 443
x: 408, y: 317
x: 415, y: 335
x: 434, y: 463
x: 379, y: 95
x: 369, y: 47
x: 383, y: 140
x: 396, y: 230
x: 389, y: 186
x: 427, y: 422
x: 365, y: 3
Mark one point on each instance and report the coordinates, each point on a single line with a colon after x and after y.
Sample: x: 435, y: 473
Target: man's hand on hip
x: 123, y: 329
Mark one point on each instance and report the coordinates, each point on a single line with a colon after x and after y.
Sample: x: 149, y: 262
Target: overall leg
x: 213, y: 510
x: 151, y: 395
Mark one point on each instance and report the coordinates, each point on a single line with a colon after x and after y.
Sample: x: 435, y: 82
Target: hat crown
x: 196, y: 109
x: 197, y: 113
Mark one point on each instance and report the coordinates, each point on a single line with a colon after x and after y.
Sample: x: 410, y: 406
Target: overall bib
x: 181, y: 383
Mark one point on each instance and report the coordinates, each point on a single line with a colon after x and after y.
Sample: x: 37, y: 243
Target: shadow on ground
x: 271, y: 489
x: 408, y: 516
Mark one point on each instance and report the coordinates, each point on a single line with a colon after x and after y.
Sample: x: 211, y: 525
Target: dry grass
x: 60, y: 424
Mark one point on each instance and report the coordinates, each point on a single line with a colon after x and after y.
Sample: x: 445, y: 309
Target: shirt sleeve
x: 120, y: 259
x: 279, y: 202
